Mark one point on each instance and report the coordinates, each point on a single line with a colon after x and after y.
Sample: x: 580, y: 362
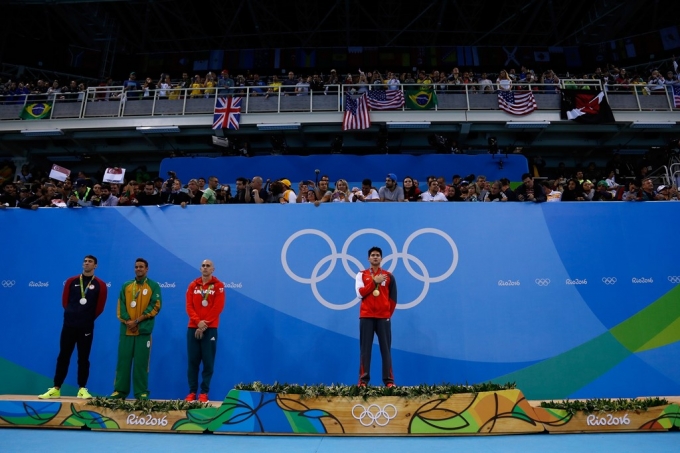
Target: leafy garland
x: 146, y: 406
x: 605, y: 405
x: 334, y: 390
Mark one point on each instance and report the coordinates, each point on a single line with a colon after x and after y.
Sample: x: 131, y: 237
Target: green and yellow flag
x: 420, y: 99
x: 36, y: 111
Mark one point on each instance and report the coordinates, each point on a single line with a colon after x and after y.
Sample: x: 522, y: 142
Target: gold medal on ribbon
x: 376, y: 292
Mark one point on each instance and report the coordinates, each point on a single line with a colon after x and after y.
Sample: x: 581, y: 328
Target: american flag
x: 227, y: 113
x: 356, y: 113
x: 516, y: 102
x: 676, y: 95
x: 385, y: 99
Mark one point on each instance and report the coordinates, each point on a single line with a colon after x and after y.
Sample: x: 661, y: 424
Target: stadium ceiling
x: 150, y: 26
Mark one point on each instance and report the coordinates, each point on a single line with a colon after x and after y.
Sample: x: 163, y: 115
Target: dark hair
x: 242, y: 180
x: 527, y: 175
x: 375, y: 249
x: 92, y: 257
x: 106, y: 186
x: 142, y: 260
x: 367, y: 182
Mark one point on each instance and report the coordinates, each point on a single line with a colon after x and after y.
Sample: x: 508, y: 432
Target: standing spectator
x: 528, y: 190
x: 83, y: 299
x: 148, y: 197
x: 131, y: 87
x: 138, y: 305
x: 503, y: 82
x: 225, y: 83
x: 209, y: 195
x: 205, y: 300
x: 289, y: 84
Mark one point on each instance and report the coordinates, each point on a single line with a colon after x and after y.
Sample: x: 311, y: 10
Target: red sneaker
x: 203, y: 398
x: 190, y: 397
x: 390, y: 385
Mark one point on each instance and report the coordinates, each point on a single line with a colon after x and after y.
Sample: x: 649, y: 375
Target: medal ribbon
x: 134, y: 288
x: 84, y: 291
x: 206, y: 292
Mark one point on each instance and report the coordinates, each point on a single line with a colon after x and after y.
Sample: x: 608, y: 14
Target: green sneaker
x: 116, y: 396
x: 52, y: 392
x: 143, y: 396
x: 83, y: 393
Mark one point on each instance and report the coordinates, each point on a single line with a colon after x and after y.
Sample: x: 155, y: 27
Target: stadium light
x: 408, y: 124
x: 278, y: 126
x: 158, y: 129
x: 42, y: 132
x: 527, y: 124
x: 652, y: 124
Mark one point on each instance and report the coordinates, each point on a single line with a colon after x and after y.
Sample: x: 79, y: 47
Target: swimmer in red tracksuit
x: 377, y: 289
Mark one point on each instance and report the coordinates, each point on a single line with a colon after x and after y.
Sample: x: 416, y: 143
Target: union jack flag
x: 356, y: 113
x: 385, y: 99
x: 227, y: 113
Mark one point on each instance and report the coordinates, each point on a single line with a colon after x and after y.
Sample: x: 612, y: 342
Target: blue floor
x: 67, y: 441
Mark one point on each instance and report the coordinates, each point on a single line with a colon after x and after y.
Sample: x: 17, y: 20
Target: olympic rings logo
x: 374, y: 414
x: 671, y: 278
x: 609, y: 280
x: 542, y: 281
x: 345, y: 258
x: 8, y: 283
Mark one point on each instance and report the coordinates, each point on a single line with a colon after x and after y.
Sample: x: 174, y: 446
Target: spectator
x: 149, y: 88
x: 391, y: 190
x: 341, y: 193
x: 289, y: 84
x: 165, y: 88
x: 96, y: 195
x: 485, y: 85
x: 433, y: 193
x: 241, y: 191
x: 573, y: 192
x: 82, y: 196
x: 288, y: 195
x: 648, y: 193
x: 258, y: 194
x: 602, y: 192
x: 129, y: 195
x: 323, y: 194
x: 194, y: 193
x: 209, y: 85
x: 495, y: 193
x: 224, y: 195
x: 528, y: 191
x: 551, y: 195
x: 302, y: 87
x: 552, y: 81
x: 505, y: 188
x: 468, y: 191
x: 131, y: 87
x: 411, y: 191
x: 503, y: 82
x: 366, y: 194
x: 209, y: 195
x: 148, y: 197
x: 317, y: 85
x: 656, y: 84
x: 107, y: 199
x: 225, y: 84
x: 588, y: 190
x: 196, y: 87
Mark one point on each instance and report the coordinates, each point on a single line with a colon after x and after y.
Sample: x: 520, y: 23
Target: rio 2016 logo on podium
x: 391, y: 258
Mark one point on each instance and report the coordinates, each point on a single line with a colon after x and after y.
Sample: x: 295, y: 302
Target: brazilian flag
x: 36, y: 111
x: 420, y: 99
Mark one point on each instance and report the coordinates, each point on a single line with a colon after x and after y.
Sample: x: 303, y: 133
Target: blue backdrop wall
x: 351, y: 168
x: 567, y: 300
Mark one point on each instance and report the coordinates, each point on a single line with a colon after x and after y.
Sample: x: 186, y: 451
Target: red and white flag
x: 356, y: 113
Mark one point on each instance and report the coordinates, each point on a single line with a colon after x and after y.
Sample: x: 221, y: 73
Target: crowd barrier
x: 566, y: 300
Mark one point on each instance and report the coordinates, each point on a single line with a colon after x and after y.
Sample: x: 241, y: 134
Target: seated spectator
x: 148, y: 197
x: 573, y: 192
x: 667, y: 192
x: 317, y: 85
x: 656, y: 83
x: 495, y: 193
x: 26, y: 198
x: 411, y: 191
x: 588, y: 189
x: 82, y: 196
x: 648, y: 193
x: 366, y: 194
x: 433, y: 193
x: 96, y: 195
x: 468, y: 191
x: 602, y: 192
x: 129, y: 195
x: 9, y: 197
x: 224, y: 195
x: 485, y: 85
x: 551, y: 195
x: 302, y: 87
x: 341, y: 193
x: 274, y: 86
x: 311, y: 198
x: 632, y: 193
x: 256, y: 85
x: 106, y: 198
x: 505, y: 188
x: 193, y: 192
x: 323, y: 193
x: 288, y: 195
x: 528, y: 191
x: 391, y: 190
x: 209, y: 194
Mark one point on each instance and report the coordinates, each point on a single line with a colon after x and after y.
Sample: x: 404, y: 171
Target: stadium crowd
x: 618, y: 182
x: 611, y: 77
